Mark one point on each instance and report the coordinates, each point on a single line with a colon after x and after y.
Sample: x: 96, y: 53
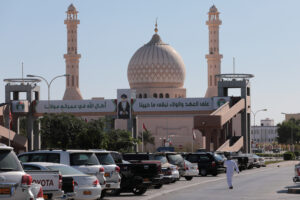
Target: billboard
x: 124, y: 97
x: 75, y: 106
x: 20, y: 106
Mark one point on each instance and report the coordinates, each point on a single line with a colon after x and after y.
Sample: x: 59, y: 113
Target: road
x: 268, y: 183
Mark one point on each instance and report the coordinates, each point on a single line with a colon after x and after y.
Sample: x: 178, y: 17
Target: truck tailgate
x: 49, y: 180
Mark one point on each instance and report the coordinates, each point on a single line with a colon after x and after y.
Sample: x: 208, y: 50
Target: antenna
x: 233, y: 64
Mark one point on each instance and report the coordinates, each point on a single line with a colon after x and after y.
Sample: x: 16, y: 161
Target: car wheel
x: 203, y: 172
x: 158, y: 186
x: 115, y: 192
x: 139, y: 190
x: 103, y: 193
x: 215, y: 173
x: 188, y: 178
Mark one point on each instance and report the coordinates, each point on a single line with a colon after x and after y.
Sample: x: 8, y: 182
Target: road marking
x: 214, y: 180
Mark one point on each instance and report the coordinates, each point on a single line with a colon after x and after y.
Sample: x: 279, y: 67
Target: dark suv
x: 208, y: 162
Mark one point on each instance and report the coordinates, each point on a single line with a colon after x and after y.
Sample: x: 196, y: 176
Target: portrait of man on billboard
x: 124, y: 108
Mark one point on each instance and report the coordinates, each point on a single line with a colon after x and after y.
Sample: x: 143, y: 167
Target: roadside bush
x: 297, y: 153
x: 269, y: 155
x: 289, y: 156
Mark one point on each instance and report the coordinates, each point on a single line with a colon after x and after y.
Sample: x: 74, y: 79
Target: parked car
x: 208, y: 163
x: 147, y: 158
x: 111, y: 170
x: 191, y: 170
x: 296, y: 178
x: 258, y: 161
x: 85, y: 186
x: 83, y: 160
x: 15, y: 184
x: 51, y: 181
x: 170, y: 172
x: 176, y: 159
x: 136, y: 177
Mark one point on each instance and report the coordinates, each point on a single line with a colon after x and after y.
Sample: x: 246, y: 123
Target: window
x: 30, y: 167
x: 140, y: 96
x: 210, y: 80
x: 161, y: 95
x: 105, y: 159
x: 145, y: 95
x: 68, y: 81
x: 155, y: 95
x: 83, y: 159
x: 77, y: 81
x: 167, y: 95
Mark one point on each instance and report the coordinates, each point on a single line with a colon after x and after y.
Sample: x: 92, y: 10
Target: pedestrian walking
x: 231, y: 166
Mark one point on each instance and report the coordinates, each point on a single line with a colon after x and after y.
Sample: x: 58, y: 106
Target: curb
x: 294, y: 190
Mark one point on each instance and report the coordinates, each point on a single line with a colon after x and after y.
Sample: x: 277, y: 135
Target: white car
x: 83, y: 160
x: 15, y: 184
x: 111, y: 170
x: 191, y: 170
x: 85, y: 186
x: 296, y: 178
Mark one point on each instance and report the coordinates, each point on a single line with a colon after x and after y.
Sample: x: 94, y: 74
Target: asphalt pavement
x: 267, y: 183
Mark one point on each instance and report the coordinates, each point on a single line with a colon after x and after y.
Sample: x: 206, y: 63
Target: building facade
x: 265, y: 133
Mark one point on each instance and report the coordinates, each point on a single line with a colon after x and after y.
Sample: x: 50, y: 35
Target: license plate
x: 4, y: 190
x: 45, y: 196
x: 107, y: 174
x: 108, y: 185
x: 87, y: 192
x: 146, y: 179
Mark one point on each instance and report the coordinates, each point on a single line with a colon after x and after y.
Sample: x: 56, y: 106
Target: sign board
x: 180, y: 104
x: 20, y: 106
x: 75, y: 106
x: 124, y: 103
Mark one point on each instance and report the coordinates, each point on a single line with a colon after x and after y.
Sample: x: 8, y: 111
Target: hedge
x: 289, y: 155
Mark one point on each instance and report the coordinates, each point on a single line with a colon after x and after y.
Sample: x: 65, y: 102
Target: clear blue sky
x: 263, y: 36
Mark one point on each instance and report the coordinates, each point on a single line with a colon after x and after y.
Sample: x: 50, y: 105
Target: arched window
x: 161, y: 95
x: 175, y: 95
x: 77, y: 81
x: 145, y: 95
x: 167, y: 95
x: 210, y: 80
x: 140, y: 96
x: 68, y: 81
x: 155, y: 95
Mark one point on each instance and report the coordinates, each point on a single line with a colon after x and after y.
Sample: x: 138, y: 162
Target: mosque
x: 156, y: 100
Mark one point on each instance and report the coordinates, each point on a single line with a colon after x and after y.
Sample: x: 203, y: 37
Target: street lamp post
x: 292, y: 143
x: 254, y: 114
x: 48, y: 83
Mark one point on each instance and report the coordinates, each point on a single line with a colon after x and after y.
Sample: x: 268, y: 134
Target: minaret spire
x: 72, y: 91
x: 156, y: 29
x: 214, y: 57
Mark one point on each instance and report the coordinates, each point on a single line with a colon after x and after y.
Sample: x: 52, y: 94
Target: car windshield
x: 175, y: 159
x: 9, y: 161
x: 161, y: 158
x: 218, y: 157
x: 105, y: 159
x: 65, y: 170
x: 84, y: 159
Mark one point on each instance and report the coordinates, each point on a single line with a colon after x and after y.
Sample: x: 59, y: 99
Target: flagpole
x: 192, y: 140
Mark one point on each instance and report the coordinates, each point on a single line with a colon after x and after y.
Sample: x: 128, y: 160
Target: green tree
x: 61, y: 131
x: 147, y: 138
x: 120, y: 140
x: 92, y: 136
x: 288, y: 130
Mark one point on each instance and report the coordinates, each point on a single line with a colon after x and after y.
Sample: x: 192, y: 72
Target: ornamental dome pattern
x: 156, y: 65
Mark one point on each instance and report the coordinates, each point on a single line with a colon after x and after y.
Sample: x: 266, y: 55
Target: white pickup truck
x: 15, y: 184
x: 51, y: 181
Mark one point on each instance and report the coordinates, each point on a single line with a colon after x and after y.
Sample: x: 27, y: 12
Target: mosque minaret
x: 213, y: 58
x: 72, y: 57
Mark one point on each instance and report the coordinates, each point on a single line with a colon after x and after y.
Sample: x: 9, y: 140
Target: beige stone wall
x: 176, y: 128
